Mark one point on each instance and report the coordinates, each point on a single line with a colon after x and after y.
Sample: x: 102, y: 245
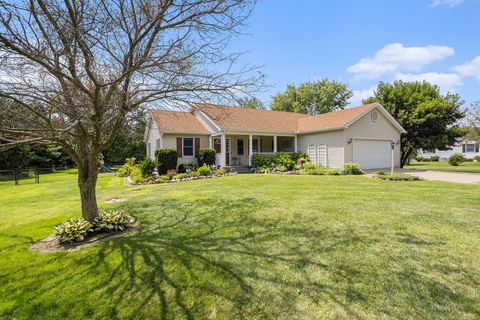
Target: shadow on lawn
x: 217, y: 258
x: 197, y: 258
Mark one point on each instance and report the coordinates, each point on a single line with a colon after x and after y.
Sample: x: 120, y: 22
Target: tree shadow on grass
x: 217, y: 257
x: 224, y: 259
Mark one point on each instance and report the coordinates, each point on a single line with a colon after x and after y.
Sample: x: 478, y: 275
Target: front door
x: 227, y: 151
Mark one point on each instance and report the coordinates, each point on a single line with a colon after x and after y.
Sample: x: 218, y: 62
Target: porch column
x: 274, y: 144
x: 210, y: 138
x: 223, y: 154
x: 250, y: 150
x: 295, y: 141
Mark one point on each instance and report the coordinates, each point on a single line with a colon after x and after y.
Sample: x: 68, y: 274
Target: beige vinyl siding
x: 170, y: 141
x: 152, y: 138
x: 366, y: 128
x: 333, y: 140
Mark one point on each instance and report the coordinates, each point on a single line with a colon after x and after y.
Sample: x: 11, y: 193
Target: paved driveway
x: 471, y: 178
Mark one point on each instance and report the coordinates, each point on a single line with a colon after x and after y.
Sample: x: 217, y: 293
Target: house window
x: 286, y: 145
x: 470, y: 147
x: 188, y: 147
x: 255, y: 145
x: 240, y: 147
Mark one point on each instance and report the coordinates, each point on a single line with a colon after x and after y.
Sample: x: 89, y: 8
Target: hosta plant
x: 112, y: 220
x: 73, y: 230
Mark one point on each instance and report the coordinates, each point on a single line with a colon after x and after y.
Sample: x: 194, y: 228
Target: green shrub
x: 262, y: 160
x: 163, y: 178
x: 112, y: 220
x: 220, y: 172
x: 166, y: 159
x: 180, y: 176
x: 284, y: 160
x: 263, y: 170
x: 281, y: 168
x: 171, y: 173
x: 380, y: 173
x: 435, y: 158
x: 126, y: 169
x: 194, y: 174
x: 136, y: 175
x: 297, y: 156
x: 146, y: 167
x: 422, y: 159
x: 308, y: 166
x: 352, y: 168
x: 476, y: 158
x: 456, y: 159
x: 72, y: 230
x: 204, y: 171
x: 206, y: 156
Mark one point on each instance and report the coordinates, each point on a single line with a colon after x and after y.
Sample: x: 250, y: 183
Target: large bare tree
x: 71, y: 71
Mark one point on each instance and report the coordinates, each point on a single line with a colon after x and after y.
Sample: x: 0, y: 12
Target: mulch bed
x: 50, y: 244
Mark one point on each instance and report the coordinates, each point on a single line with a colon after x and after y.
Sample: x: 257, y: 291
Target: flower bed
x: 172, y: 175
x: 309, y: 168
x: 395, y: 177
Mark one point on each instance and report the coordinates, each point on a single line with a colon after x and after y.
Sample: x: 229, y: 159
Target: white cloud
x: 359, y: 95
x: 446, y: 81
x: 469, y: 68
x: 394, y: 58
x: 448, y: 3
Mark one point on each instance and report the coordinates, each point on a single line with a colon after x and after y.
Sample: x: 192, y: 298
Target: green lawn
x: 249, y: 247
x: 445, y: 166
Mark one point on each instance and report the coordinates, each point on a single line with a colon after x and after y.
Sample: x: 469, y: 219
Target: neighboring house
x: 469, y: 149
x: 364, y: 135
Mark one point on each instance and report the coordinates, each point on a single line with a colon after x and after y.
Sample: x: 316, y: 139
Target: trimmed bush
x: 112, y: 220
x: 204, y: 171
x: 352, y: 169
x: 262, y: 160
x: 206, y: 156
x: 476, y: 158
x: 456, y: 159
x: 435, y: 158
x: 146, y: 167
x: 285, y: 160
x: 163, y: 178
x: 72, y: 230
x: 182, y: 168
x: 166, y: 159
x: 126, y: 169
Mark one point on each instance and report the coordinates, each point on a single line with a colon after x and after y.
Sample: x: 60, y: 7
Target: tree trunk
x: 87, y: 183
x: 405, y: 154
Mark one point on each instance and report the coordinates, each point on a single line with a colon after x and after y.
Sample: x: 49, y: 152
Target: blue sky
x: 364, y: 42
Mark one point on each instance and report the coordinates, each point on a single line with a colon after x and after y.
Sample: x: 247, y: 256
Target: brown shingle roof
x: 175, y: 121
x: 252, y: 120
x: 336, y: 119
x: 242, y: 119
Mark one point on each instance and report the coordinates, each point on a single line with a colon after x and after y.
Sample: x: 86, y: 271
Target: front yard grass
x: 445, y: 166
x: 251, y: 247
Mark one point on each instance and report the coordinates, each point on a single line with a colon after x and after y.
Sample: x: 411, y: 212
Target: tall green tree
x: 473, y: 122
x: 430, y: 118
x: 314, y: 97
x: 251, y: 103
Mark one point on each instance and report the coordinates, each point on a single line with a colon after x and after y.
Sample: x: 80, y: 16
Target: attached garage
x: 372, y: 153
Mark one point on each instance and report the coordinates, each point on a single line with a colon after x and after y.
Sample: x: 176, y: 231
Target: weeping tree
x: 71, y: 72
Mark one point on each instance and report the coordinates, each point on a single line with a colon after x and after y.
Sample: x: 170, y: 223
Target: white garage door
x: 372, y: 154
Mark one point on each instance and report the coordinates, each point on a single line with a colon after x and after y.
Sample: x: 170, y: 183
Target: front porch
x: 237, y: 149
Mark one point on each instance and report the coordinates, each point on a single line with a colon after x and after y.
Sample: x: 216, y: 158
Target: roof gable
x: 176, y: 121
